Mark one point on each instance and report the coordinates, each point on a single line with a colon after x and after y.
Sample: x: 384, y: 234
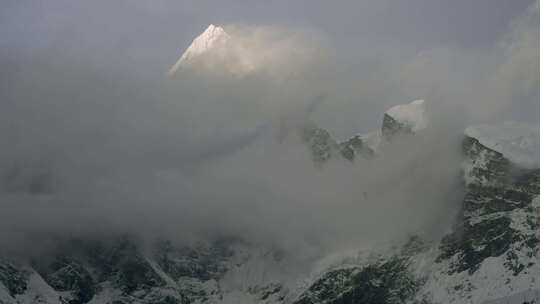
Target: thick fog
x: 97, y: 140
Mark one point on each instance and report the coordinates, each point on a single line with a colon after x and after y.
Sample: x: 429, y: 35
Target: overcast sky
x: 141, y: 28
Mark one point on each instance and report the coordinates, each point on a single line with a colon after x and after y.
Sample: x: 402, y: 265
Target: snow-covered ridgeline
x: 413, y: 115
x: 519, y: 143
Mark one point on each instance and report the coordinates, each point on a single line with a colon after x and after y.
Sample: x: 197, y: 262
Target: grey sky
x: 164, y: 27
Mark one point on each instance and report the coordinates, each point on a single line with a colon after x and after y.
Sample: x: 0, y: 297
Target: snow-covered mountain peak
x: 519, y: 143
x: 242, y: 50
x: 412, y: 115
x: 205, y: 41
x: 214, y: 37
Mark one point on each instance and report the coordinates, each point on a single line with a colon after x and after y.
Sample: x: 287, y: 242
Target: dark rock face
x: 128, y: 269
x: 324, y: 147
x: 69, y: 275
x: 264, y: 293
x: 13, y: 278
x: 497, y: 217
x: 204, y: 264
x: 355, y: 147
x: 485, y: 165
x: 321, y: 144
x: 384, y: 282
x: 392, y: 128
x: 387, y: 280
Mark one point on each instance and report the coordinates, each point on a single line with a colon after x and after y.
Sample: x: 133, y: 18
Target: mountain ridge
x: 490, y: 256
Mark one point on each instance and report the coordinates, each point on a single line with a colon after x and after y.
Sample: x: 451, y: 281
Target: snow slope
x: 38, y: 291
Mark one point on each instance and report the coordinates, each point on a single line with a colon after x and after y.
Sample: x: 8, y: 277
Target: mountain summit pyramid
x: 242, y: 50
x: 214, y: 38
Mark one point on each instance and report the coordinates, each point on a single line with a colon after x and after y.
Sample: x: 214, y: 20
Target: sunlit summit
x: 213, y: 39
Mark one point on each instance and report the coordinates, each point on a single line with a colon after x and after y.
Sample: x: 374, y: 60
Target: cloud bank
x: 94, y: 148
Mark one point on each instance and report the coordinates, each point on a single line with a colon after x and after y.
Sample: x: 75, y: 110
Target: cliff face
x: 495, y: 246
